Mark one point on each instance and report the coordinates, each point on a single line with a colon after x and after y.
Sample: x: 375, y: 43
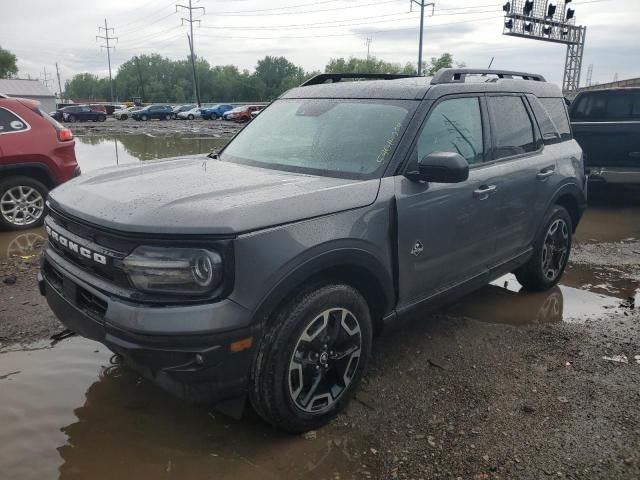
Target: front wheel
x: 123, y: 117
x: 102, y: 118
x: 22, y: 203
x: 71, y: 118
x: 312, y: 358
x: 190, y: 117
x: 144, y: 118
x: 550, y: 254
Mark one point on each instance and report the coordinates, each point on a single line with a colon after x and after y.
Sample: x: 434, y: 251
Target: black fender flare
x: 319, y: 263
x: 569, y: 188
x: 21, y: 168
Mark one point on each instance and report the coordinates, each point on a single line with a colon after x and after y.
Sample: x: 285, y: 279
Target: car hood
x: 198, y: 195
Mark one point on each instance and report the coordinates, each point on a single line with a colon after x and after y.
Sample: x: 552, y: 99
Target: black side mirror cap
x: 441, y: 167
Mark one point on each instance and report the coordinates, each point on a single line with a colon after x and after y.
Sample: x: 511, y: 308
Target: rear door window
x: 557, y: 110
x: 512, y: 127
x: 11, y: 123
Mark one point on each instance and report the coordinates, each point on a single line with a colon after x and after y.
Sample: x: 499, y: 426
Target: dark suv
x: 160, y: 112
x: 606, y: 123
x: 264, y: 271
x: 83, y: 113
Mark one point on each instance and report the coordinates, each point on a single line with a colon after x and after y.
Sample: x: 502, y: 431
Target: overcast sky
x: 309, y: 33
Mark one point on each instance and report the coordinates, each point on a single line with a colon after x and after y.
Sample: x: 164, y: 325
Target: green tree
x: 443, y: 61
x: 87, y: 85
x: 277, y: 74
x: 364, y: 65
x: 8, y: 64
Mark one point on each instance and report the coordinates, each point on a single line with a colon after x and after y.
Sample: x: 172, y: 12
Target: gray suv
x: 263, y: 272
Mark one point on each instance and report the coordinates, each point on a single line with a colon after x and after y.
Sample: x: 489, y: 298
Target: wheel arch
x: 355, y: 267
x: 572, y: 198
x: 37, y: 171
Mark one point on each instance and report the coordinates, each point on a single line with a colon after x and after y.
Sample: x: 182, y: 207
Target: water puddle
x: 68, y: 413
x: 504, y: 301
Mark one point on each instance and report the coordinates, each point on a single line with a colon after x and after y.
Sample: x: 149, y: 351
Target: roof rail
x: 337, y: 77
x: 457, y: 75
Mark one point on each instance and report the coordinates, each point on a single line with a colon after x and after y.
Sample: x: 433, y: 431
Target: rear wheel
x: 167, y: 116
x: 190, y: 117
x: 123, y: 117
x: 551, y: 252
x: 312, y: 358
x: 22, y: 203
x: 144, y: 118
x: 102, y: 118
x: 71, y: 118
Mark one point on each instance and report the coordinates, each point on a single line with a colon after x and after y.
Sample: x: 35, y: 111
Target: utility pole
x: 137, y: 60
x: 59, y: 82
x: 191, y: 21
x: 422, y: 5
x: 368, y: 43
x: 45, y: 78
x: 589, y: 74
x: 108, y: 38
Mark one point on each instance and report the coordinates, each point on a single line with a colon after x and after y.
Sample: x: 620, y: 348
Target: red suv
x: 36, y: 155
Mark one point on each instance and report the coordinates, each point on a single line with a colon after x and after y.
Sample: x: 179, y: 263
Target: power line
x: 129, y: 32
x: 306, y: 11
x: 107, y: 38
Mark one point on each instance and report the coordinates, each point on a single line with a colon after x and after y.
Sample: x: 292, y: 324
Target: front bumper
x: 615, y: 175
x: 198, y: 365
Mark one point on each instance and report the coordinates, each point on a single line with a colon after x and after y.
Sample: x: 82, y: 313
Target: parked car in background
x: 182, y: 108
x: 125, y: 113
x: 36, y: 155
x: 215, y: 112
x: 360, y: 202
x: 159, y: 112
x: 242, y: 114
x: 82, y: 113
x: 97, y: 107
x: 195, y: 112
x: 255, y: 113
x: 606, y: 123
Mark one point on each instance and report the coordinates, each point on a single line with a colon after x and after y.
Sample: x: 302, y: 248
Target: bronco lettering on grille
x: 74, y: 247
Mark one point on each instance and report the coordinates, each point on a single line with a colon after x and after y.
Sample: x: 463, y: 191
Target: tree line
x: 156, y: 79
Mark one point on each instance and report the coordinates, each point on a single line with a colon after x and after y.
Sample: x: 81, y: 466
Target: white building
x: 31, y: 89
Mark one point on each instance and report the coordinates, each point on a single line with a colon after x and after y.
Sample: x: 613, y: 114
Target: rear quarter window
x: 11, y: 122
x: 557, y: 110
x: 548, y: 128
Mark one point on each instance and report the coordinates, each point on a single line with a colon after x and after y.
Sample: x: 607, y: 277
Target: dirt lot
x: 212, y: 128
x: 500, y: 385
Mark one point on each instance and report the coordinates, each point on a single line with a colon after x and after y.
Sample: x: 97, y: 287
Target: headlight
x: 181, y: 271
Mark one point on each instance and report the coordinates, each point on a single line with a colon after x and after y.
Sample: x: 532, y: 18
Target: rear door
x: 607, y: 126
x: 443, y: 228
x: 518, y: 164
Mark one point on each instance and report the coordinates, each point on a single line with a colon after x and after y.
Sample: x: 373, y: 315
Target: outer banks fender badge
x: 417, y: 248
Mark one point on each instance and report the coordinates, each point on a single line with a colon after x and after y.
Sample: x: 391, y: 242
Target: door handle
x: 546, y: 173
x: 484, y: 191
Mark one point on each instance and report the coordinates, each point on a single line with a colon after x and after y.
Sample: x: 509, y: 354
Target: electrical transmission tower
x: 589, y: 74
x: 422, y: 5
x: 59, y: 82
x: 191, y: 21
x: 549, y: 21
x: 368, y: 44
x: 108, y: 39
x: 45, y: 77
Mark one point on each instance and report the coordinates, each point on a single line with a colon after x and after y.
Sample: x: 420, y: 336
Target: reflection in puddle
x: 21, y: 243
x: 100, y: 151
x: 68, y: 412
x: 503, y: 302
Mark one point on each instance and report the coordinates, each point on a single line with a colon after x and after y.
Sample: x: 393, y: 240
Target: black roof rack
x: 457, y: 75
x: 337, y: 77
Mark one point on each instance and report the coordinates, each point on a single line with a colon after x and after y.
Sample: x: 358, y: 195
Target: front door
x: 443, y: 229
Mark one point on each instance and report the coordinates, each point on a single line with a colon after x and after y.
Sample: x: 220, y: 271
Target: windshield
x: 334, y: 137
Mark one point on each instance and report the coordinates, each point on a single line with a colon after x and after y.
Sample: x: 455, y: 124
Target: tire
x: 123, y: 117
x: 167, y: 117
x: 190, y: 117
x: 174, y: 116
x: 102, y: 118
x: 71, y: 118
x: 144, y: 118
x: 550, y: 254
x: 280, y: 388
x: 27, y: 195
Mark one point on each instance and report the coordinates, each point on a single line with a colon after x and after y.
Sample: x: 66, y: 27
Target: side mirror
x: 441, y: 167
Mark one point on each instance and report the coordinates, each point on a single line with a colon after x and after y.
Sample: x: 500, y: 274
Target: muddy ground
x: 212, y: 128
x: 499, y: 385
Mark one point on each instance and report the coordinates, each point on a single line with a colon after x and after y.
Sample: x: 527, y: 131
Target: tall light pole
x: 191, y: 21
x: 108, y: 46
x: 422, y: 5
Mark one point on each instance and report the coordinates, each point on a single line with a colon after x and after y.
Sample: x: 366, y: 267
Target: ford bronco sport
x: 264, y: 271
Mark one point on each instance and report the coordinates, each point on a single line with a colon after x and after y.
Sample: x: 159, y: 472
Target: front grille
x: 90, y: 304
